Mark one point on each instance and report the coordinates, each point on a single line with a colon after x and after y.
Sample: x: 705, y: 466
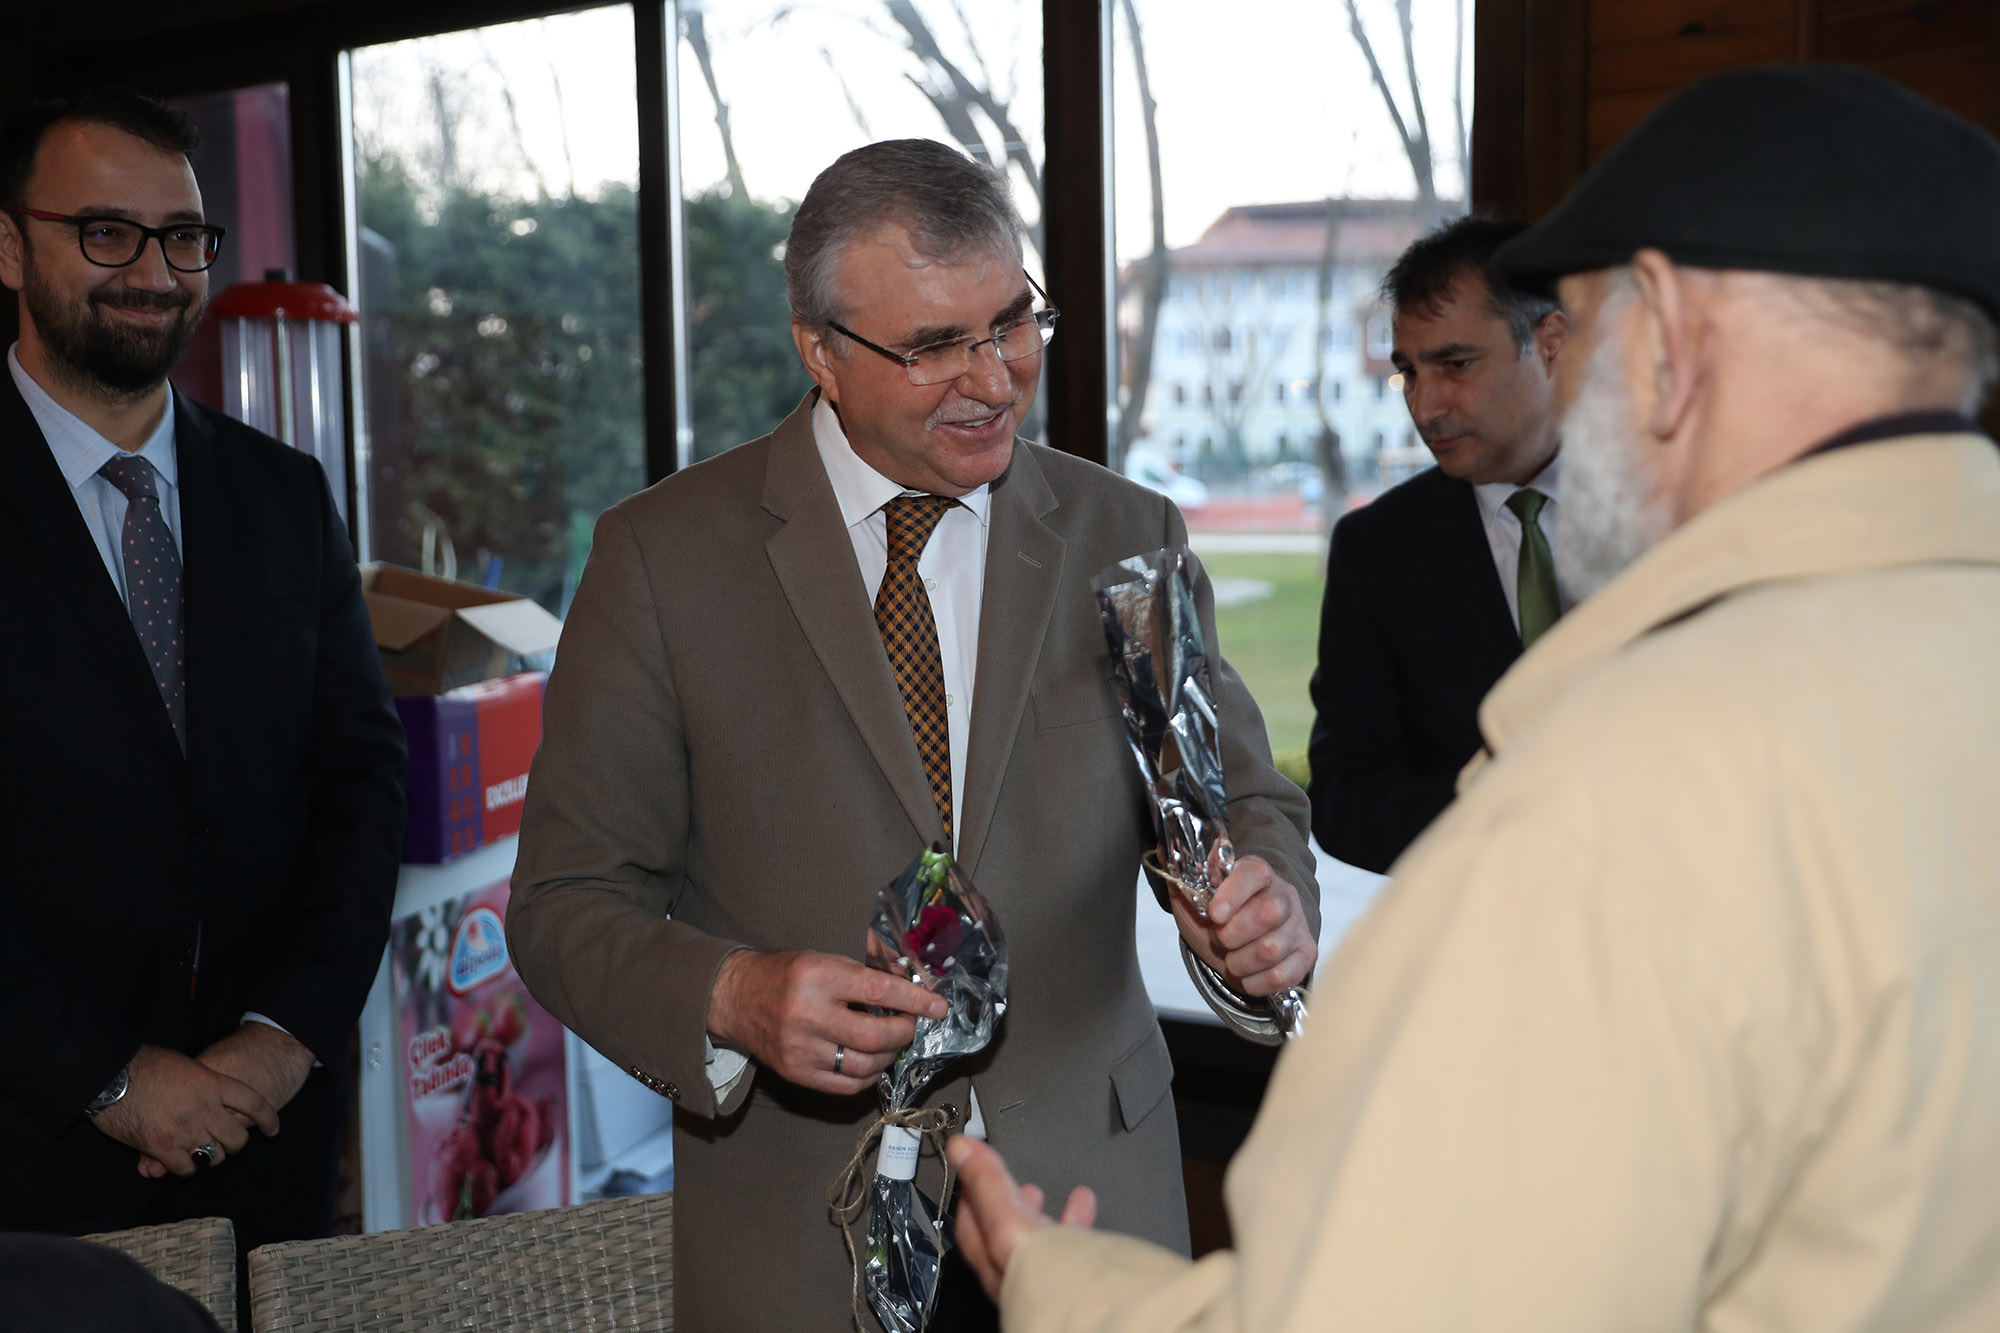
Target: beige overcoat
x: 725, y: 747
x: 1686, y: 1015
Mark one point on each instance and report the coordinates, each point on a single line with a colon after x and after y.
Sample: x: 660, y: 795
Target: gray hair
x: 951, y: 206
x: 1921, y: 325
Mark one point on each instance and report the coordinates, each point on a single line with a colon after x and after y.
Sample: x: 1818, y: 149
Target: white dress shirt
x: 1503, y: 531
x: 80, y: 451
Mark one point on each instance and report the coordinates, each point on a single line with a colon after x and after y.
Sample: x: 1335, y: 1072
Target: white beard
x: 1610, y: 514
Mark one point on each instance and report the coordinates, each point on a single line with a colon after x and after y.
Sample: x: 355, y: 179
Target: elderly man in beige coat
x: 730, y: 771
x: 1687, y: 1014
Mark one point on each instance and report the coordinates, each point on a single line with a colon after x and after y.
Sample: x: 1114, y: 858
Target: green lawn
x: 1272, y: 642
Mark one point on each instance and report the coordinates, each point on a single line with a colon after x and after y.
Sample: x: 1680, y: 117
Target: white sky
x: 1270, y: 108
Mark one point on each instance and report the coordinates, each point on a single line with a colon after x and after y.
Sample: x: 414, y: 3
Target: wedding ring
x: 204, y: 1156
x: 839, y: 1056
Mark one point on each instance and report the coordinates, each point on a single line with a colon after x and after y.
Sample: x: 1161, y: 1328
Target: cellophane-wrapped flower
x: 933, y: 928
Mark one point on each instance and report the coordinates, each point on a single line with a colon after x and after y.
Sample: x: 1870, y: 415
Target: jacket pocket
x: 1141, y: 1078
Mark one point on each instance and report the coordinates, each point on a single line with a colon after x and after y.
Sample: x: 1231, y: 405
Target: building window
x: 1334, y: 386
x: 1277, y: 391
x: 1381, y: 335
x: 1180, y: 393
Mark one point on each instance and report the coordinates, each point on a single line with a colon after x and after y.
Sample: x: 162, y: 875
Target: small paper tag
x: 975, y: 1120
x: 898, y: 1158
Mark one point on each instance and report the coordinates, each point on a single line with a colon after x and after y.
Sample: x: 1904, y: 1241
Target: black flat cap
x: 1816, y: 170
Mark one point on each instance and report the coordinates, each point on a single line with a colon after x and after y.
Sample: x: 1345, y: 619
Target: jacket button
x: 673, y: 1093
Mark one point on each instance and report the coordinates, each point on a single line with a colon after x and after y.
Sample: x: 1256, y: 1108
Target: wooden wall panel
x: 1676, y: 61
x: 1637, y: 53
x: 1861, y: 34
x: 1615, y: 22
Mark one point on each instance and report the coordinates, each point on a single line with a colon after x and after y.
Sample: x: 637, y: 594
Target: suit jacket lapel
x: 40, y: 507
x: 1024, y: 566
x: 813, y: 559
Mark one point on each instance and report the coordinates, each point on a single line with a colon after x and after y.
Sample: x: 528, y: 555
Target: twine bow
x: 849, y: 1195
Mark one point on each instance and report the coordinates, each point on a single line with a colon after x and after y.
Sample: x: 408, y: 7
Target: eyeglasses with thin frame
x: 189, y: 247
x: 939, y: 363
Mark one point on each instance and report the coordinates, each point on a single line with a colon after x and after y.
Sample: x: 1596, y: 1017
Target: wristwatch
x: 114, y: 1092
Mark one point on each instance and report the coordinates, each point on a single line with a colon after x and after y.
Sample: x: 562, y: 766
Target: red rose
x: 935, y: 938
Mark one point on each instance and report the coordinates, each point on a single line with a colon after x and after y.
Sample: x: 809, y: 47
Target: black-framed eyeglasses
x: 189, y: 247
x: 940, y: 363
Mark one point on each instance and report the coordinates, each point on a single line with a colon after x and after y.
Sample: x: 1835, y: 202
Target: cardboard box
x: 436, y: 634
x: 469, y: 754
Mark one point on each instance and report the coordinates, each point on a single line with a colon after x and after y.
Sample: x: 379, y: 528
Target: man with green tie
x: 1438, y: 585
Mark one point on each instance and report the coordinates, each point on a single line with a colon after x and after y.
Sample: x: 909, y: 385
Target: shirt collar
x: 1493, y: 495
x: 78, y: 449
x: 859, y: 488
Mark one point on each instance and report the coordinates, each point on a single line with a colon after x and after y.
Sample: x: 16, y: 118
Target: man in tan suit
x: 1686, y: 1014
x: 734, y: 763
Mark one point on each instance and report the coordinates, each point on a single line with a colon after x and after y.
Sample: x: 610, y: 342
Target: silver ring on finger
x: 204, y: 1156
x: 839, y: 1056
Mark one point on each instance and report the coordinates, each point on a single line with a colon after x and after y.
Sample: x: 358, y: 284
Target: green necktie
x: 1540, y: 604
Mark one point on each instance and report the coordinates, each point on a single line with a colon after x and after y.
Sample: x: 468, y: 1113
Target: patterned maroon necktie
x: 903, y: 613
x: 153, y: 583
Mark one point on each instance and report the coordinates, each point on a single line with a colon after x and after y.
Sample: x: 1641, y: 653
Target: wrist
x: 722, y: 1000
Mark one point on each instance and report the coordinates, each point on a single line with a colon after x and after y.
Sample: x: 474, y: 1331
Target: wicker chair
x: 197, y: 1257
x: 601, y: 1265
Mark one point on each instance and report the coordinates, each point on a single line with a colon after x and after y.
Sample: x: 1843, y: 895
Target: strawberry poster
x: 482, y: 1067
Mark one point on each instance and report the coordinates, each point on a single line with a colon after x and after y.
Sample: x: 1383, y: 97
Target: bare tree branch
x: 1458, y: 102
x: 847, y: 91
x: 1153, y: 269
x: 1416, y: 149
x: 1426, y: 171
x: 513, y: 111
x: 562, y: 119
x: 963, y: 93
x: 695, y: 30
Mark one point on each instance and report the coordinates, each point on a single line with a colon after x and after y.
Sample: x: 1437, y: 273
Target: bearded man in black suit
x: 206, y: 806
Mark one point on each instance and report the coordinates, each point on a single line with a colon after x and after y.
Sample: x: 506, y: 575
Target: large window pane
x: 771, y: 93
x: 1263, y: 186
x: 496, y: 186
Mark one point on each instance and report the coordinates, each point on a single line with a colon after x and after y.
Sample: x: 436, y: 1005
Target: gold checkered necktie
x: 903, y: 613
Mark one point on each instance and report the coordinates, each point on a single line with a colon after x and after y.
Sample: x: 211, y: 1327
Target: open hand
x: 1257, y: 934
x: 177, y: 1104
x: 994, y: 1213
x: 795, y: 1013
